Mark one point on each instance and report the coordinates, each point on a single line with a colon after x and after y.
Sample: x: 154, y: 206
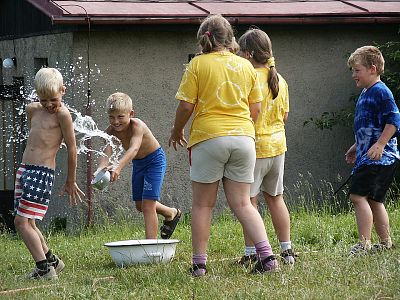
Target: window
x: 40, y: 62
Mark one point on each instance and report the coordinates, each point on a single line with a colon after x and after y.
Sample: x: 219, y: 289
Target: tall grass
x: 323, y: 229
x: 323, y: 269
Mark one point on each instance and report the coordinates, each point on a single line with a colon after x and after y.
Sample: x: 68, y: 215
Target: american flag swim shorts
x: 33, y: 186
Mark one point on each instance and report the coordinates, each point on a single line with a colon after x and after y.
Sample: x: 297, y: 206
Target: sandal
x: 168, y: 227
x: 198, y: 270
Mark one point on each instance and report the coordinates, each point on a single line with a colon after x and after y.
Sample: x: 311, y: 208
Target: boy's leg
x: 138, y: 205
x: 150, y: 218
x: 29, y: 234
x: 40, y: 235
x: 364, y: 216
x: 381, y: 222
x: 52, y: 259
x: 167, y: 212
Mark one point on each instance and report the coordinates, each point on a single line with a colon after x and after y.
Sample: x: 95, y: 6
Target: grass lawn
x: 323, y: 269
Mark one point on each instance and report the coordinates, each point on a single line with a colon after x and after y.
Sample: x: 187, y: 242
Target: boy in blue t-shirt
x: 374, y: 153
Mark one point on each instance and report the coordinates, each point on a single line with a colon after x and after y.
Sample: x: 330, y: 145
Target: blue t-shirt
x: 374, y: 109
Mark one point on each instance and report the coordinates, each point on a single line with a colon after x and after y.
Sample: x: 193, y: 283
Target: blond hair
x: 119, y: 102
x: 48, y: 83
x: 367, y: 56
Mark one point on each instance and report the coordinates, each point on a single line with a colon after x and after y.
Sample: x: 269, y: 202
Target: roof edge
x: 232, y: 19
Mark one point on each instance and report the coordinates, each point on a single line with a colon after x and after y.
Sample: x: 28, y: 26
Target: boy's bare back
x: 47, y: 131
x: 137, y: 137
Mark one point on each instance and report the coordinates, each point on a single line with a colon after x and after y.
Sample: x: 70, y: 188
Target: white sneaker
x: 36, y: 273
x: 58, y: 264
x: 382, y: 246
x: 288, y: 257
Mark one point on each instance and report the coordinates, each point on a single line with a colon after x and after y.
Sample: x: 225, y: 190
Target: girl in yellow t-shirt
x: 255, y: 46
x: 222, y: 92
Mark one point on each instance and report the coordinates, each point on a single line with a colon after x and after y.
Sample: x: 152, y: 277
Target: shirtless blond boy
x: 148, y: 165
x: 50, y: 123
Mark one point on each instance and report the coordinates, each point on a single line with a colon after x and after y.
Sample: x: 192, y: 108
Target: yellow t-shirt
x: 221, y: 85
x: 270, y: 128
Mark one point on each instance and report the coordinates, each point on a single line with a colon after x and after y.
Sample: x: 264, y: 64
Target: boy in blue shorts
x: 148, y: 165
x: 374, y: 153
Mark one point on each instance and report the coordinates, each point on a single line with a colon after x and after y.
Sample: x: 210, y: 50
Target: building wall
x: 148, y: 65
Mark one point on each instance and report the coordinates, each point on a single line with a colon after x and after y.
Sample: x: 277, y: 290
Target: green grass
x: 323, y: 269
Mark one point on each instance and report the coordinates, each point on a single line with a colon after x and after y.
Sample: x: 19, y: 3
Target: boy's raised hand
x: 73, y: 191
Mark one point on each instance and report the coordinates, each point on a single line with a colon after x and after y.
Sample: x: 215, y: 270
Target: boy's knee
x: 357, y: 199
x: 20, y: 222
x: 148, y: 207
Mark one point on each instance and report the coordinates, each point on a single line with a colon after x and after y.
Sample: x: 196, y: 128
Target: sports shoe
x: 362, y: 248
x: 380, y: 247
x: 58, y: 264
x: 288, y: 257
x: 269, y: 264
x: 36, y: 273
x: 247, y: 260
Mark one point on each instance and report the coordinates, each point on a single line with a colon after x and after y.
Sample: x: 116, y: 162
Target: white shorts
x: 268, y: 176
x: 232, y: 157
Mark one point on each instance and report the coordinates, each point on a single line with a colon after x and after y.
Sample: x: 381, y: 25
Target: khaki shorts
x: 268, y: 176
x: 232, y: 157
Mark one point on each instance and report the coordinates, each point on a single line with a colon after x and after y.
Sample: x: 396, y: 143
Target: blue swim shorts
x: 148, y: 175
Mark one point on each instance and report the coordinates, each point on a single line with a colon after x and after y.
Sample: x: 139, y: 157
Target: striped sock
x: 199, y: 259
x: 263, y: 249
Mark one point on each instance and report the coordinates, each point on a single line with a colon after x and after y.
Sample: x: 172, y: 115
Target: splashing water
x: 86, y: 129
x: 13, y: 125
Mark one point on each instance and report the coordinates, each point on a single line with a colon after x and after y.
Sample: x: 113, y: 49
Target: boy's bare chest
x: 44, y: 121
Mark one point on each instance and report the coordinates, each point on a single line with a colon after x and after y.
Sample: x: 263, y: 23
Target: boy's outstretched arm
x: 67, y: 129
x: 130, y: 154
x: 375, y: 152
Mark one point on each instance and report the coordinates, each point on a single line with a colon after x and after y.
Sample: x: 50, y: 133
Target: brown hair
x: 258, y: 44
x: 215, y: 33
x: 368, y: 56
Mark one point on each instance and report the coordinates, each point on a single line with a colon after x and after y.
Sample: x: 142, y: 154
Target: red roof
x: 178, y: 12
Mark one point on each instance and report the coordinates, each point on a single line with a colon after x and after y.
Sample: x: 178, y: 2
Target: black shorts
x: 373, y: 181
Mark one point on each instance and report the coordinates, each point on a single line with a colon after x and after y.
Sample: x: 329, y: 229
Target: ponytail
x: 273, y: 81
